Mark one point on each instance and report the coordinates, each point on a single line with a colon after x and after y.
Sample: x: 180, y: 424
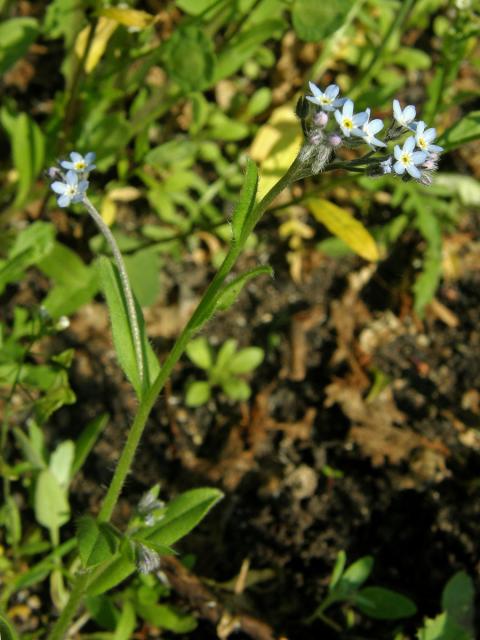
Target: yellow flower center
x: 80, y: 165
x: 405, y: 159
x: 347, y: 123
x: 325, y: 100
x: 422, y: 143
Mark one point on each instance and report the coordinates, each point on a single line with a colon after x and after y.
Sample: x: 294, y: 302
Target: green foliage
x: 122, y: 331
x: 180, y: 517
x: 222, y: 369
x: 16, y: 35
x: 456, y: 622
x: 28, y: 150
x: 346, y: 586
x: 315, y: 21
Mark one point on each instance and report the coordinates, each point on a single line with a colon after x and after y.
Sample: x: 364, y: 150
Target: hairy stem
x: 127, y: 290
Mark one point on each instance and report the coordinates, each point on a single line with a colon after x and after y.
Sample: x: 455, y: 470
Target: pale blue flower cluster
x: 417, y: 158
x: 73, y: 185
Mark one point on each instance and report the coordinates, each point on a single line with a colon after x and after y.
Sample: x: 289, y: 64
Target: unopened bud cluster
x: 334, y: 124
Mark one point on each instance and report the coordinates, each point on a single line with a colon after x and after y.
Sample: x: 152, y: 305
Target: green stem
x: 127, y: 290
x: 138, y: 426
x: 74, y: 601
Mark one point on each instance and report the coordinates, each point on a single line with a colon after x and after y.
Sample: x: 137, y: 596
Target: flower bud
x: 320, y: 119
x: 334, y: 140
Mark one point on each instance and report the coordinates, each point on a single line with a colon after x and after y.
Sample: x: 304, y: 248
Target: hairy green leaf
x: 122, y: 335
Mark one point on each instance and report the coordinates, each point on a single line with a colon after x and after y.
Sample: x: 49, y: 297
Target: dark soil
x: 408, y: 456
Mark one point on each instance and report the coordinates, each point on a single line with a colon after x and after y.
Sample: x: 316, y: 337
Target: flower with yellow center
x: 408, y: 159
x: 424, y: 138
x: 349, y: 122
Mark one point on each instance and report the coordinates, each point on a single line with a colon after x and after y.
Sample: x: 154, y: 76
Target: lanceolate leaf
x: 231, y: 291
x: 96, y: 543
x: 384, y: 604
x: 122, y: 335
x: 240, y: 218
x: 181, y: 516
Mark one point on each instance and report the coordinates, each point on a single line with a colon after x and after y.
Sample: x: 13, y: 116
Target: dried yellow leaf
x: 103, y: 32
x: 128, y: 17
x: 343, y: 225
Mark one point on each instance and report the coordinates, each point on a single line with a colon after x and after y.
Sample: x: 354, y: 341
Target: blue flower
x: 327, y: 99
x: 406, y: 117
x: 369, y: 129
x: 425, y: 138
x: 350, y: 123
x: 408, y: 159
x: 71, y: 190
x: 80, y: 164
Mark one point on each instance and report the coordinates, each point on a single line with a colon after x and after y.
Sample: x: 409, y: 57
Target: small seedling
x: 222, y: 370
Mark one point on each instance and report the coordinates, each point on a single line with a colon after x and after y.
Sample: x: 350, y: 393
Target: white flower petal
x: 418, y: 157
x: 58, y: 187
x: 409, y: 144
x: 348, y: 109
x: 413, y: 171
x: 409, y: 113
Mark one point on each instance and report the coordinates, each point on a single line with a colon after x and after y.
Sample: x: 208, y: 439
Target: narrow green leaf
x: 240, y: 218
x: 183, y: 514
x: 122, y: 335
x: 32, y: 451
x: 96, y: 542
x: 126, y: 623
x: 60, y: 462
x: 166, y: 617
x: 462, y: 131
x: 338, y: 570
x: 244, y: 46
x: 112, y: 574
x: 28, y: 151
x: 355, y: 575
x: 428, y: 280
x: 51, y: 505
x: 7, y: 631
x: 231, y: 291
x: 86, y: 441
x: 384, y: 604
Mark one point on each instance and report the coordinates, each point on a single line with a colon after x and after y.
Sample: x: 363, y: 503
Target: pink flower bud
x: 320, y: 119
x: 334, y: 140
